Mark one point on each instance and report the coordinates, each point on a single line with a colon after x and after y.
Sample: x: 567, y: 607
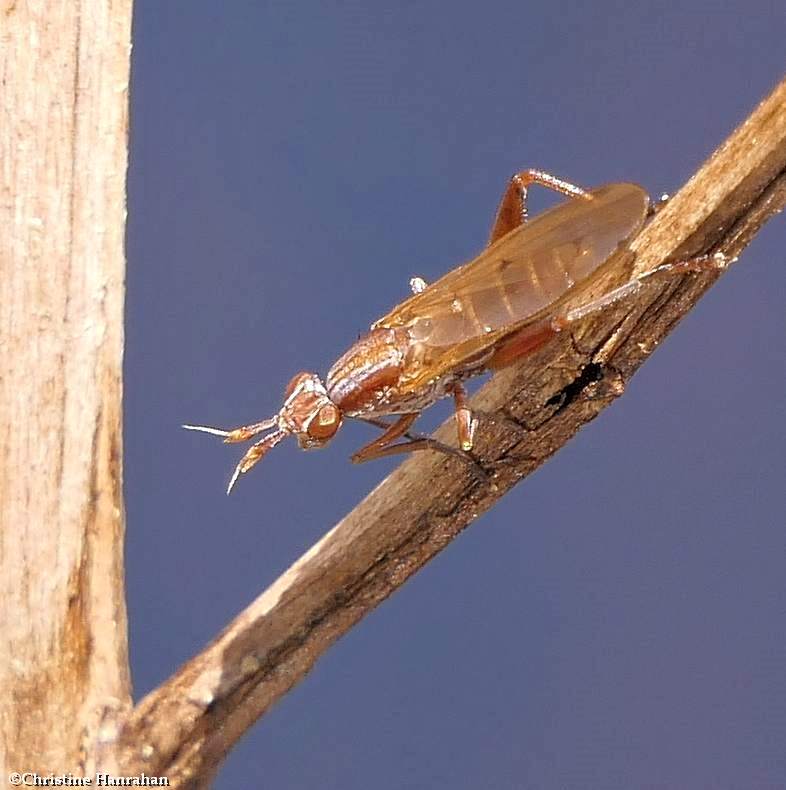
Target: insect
x: 484, y: 315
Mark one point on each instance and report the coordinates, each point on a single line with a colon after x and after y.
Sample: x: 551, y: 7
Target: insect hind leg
x: 703, y: 263
x: 512, y: 210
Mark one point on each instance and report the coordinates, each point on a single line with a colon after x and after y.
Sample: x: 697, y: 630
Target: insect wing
x: 515, y: 281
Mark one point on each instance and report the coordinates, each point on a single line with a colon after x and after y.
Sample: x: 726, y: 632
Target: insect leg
x: 702, y: 263
x: 522, y: 343
x: 384, y: 425
x: 426, y: 443
x: 465, y: 422
x: 512, y: 210
x: 433, y: 444
x: 392, y: 432
x: 382, y: 447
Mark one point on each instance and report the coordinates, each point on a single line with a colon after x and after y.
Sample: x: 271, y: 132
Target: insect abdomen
x: 529, y: 269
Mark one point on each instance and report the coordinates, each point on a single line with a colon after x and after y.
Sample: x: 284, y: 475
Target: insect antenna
x: 255, y: 454
x: 233, y: 435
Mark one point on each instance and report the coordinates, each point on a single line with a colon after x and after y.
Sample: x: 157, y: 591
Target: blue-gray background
x: 619, y: 620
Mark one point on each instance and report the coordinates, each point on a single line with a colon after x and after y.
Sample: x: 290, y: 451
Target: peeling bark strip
x: 63, y: 128
x: 185, y: 727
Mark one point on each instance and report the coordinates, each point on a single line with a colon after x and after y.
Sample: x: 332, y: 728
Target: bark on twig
x: 63, y: 128
x: 185, y: 727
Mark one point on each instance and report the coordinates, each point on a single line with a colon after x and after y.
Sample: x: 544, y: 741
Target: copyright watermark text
x: 32, y: 779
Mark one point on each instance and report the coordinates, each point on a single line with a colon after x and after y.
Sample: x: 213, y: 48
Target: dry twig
x: 63, y: 127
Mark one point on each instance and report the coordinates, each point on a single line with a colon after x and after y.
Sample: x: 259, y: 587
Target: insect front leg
x: 384, y: 425
x: 392, y: 432
x: 512, y: 210
x: 703, y: 263
x: 383, y: 447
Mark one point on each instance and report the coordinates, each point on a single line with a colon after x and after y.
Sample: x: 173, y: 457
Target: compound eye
x: 325, y: 423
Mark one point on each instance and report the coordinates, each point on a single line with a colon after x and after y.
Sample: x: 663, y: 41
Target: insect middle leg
x: 512, y: 210
x: 465, y: 422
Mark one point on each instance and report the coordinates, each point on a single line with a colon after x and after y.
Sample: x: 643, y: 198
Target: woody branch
x: 63, y: 130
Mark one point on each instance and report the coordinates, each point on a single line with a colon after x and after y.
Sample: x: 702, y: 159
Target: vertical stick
x: 63, y: 153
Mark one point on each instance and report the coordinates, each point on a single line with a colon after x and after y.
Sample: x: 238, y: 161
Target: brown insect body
x: 457, y: 327
x: 505, y: 303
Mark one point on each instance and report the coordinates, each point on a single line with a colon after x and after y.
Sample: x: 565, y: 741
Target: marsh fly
x: 484, y: 315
